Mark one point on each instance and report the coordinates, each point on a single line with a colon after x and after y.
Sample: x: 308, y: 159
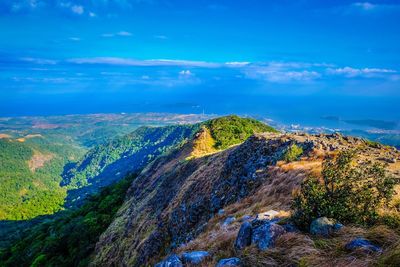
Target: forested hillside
x: 107, y: 163
x: 30, y: 176
x: 104, y: 164
x: 36, y: 151
x: 69, y: 238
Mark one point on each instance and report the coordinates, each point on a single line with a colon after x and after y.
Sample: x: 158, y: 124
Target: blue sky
x: 245, y: 56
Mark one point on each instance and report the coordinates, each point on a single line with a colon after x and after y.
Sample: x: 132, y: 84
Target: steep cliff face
x: 178, y: 196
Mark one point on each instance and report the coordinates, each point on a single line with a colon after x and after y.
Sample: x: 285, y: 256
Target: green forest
x: 69, y: 238
x: 26, y: 192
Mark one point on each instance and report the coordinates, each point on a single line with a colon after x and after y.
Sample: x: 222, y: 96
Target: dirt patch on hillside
x: 4, y: 136
x: 38, y: 160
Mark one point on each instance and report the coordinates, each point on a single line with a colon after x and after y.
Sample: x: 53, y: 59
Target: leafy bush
x: 292, y: 153
x: 348, y: 192
x: 232, y: 130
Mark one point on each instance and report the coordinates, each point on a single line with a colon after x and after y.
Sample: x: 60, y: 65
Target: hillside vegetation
x: 30, y: 176
x: 232, y: 130
x: 261, y: 201
x: 44, y: 245
x: 109, y: 162
x: 69, y: 239
x: 36, y: 151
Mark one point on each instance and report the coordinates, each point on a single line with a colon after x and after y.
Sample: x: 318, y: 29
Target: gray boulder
x: 362, y: 245
x: 264, y: 236
x: 243, y: 238
x: 228, y: 221
x: 172, y: 261
x: 231, y: 262
x: 194, y: 257
x: 324, y: 226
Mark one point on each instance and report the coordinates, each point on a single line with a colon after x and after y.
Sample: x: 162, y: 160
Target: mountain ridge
x: 161, y: 213
x: 197, y: 195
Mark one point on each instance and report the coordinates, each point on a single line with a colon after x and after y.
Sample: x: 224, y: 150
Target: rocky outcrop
x: 261, y: 233
x: 324, y: 226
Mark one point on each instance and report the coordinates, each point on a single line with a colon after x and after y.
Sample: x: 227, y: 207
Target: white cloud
x: 120, y: 33
x: 280, y: 75
x: 365, y: 72
x: 75, y: 39
x: 284, y: 72
x: 40, y: 61
x: 124, y: 33
x: 151, y: 62
x: 30, y: 5
x: 92, y: 14
x: 369, y: 8
x: 185, y: 73
x: 364, y: 5
x: 237, y: 64
x: 277, y: 72
x: 77, y: 9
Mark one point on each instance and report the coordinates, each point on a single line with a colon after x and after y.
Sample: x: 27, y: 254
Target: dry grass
x: 391, y: 257
x: 219, y: 242
x: 203, y: 144
x: 289, y: 250
x: 382, y: 236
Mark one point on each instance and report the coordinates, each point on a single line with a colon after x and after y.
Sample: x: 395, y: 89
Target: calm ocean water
x: 303, y: 110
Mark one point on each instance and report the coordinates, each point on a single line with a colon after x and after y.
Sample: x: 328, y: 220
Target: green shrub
x: 373, y: 144
x: 232, y: 130
x: 292, y: 153
x: 392, y: 220
x: 348, y: 192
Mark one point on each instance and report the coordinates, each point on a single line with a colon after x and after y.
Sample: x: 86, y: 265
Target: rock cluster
x: 191, y: 258
x: 261, y: 233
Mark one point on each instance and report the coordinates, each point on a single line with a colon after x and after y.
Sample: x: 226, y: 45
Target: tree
x: 348, y: 191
